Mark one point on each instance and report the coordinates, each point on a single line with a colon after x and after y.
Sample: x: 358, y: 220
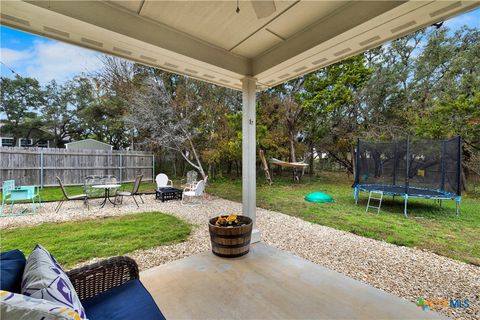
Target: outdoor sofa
x: 108, y: 289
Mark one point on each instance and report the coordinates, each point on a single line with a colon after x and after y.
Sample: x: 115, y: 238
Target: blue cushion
x: 12, y: 264
x: 129, y: 301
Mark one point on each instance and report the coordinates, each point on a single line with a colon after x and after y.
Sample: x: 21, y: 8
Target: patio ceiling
x: 208, y: 40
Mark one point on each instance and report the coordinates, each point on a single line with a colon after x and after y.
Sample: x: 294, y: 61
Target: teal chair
x: 23, y: 193
x: 7, y: 187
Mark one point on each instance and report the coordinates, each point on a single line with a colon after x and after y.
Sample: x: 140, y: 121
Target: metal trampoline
x: 414, y: 168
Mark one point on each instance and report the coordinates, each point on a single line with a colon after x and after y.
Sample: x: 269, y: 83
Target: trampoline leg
x: 355, y: 195
x: 457, y: 205
x: 405, y: 207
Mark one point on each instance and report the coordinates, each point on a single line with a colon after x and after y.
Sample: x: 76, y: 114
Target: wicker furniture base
x: 101, y: 276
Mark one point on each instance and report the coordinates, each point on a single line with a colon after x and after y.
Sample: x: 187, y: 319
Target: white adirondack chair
x: 195, y: 192
x: 163, y: 181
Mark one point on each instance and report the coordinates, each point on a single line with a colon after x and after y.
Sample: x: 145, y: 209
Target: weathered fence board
x: 40, y: 166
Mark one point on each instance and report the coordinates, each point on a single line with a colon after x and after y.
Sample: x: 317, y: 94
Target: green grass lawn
x: 74, y: 242
x: 428, y: 226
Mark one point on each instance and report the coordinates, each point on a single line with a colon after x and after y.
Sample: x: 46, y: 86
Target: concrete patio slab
x: 268, y: 283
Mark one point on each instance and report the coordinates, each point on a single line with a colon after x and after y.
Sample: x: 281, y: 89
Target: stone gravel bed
x: 406, y: 272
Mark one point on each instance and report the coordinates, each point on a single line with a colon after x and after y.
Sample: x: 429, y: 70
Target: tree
x: 166, y: 118
x: 97, y: 114
x: 20, y: 97
x: 286, y: 100
x: 281, y: 119
x: 218, y: 122
x: 115, y: 85
x: 56, y: 115
x: 332, y: 98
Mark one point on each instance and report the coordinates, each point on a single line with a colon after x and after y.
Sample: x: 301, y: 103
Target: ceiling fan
x: 262, y: 8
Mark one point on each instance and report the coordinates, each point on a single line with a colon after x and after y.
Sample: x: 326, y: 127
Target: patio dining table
x: 107, y: 188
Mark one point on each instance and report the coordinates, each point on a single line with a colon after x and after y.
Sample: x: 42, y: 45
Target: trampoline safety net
x: 412, y: 166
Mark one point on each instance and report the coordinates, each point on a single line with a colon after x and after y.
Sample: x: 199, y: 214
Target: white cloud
x: 10, y: 56
x: 60, y: 61
x: 48, y: 60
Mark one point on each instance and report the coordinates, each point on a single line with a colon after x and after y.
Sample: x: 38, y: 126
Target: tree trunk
x: 311, y: 171
x: 198, y: 164
x: 463, y: 184
x: 175, y: 166
x: 265, y: 166
x: 237, y: 168
x: 352, y: 152
x: 291, y: 138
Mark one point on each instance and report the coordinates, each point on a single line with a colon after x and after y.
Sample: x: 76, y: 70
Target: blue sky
x: 42, y: 58
x: 46, y: 59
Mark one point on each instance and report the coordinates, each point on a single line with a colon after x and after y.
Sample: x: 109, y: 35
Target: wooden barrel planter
x: 231, y: 241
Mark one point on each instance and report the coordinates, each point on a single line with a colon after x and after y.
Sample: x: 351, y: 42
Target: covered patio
x: 268, y: 283
x: 260, y: 45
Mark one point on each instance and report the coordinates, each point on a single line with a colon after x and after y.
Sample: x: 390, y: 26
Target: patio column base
x: 256, y: 236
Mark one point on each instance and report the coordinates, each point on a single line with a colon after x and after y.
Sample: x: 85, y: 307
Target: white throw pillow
x: 20, y: 307
x: 44, y: 278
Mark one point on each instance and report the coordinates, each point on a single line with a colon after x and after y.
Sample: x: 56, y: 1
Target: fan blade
x: 263, y: 8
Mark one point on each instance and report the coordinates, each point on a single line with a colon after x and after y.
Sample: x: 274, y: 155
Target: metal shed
x: 88, y: 144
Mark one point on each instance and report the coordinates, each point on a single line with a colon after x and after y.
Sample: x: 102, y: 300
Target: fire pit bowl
x: 230, y: 235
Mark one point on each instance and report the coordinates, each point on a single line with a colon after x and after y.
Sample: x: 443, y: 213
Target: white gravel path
x: 405, y: 272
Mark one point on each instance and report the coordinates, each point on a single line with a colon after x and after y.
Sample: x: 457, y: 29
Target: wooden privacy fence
x: 39, y: 166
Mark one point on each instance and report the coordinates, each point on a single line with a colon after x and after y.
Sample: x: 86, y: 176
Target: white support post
x: 249, y: 192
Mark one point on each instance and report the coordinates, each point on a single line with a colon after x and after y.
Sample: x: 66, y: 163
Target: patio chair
x: 163, y: 181
x: 19, y: 194
x: 190, y: 180
x: 194, y: 192
x: 66, y: 197
x: 110, y: 179
x: 7, y: 187
x: 89, y: 190
x: 192, y: 176
x: 132, y: 194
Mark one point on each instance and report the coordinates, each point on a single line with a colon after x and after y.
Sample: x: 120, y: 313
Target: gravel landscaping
x: 405, y: 272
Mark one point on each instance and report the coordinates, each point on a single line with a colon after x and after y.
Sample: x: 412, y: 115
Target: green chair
x: 23, y: 193
x: 7, y: 187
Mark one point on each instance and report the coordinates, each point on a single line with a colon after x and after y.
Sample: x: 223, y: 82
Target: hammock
x: 288, y: 164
